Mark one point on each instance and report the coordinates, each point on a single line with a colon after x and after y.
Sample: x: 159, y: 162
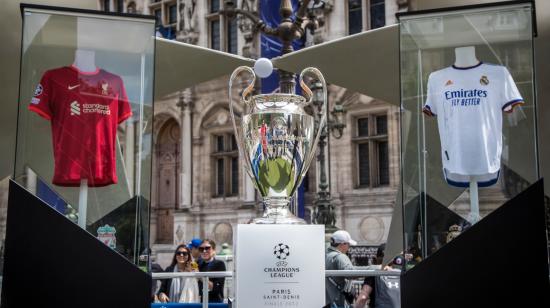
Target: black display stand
x: 52, y: 262
x: 502, y: 261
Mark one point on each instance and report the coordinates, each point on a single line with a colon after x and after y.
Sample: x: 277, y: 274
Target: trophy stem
x: 277, y: 212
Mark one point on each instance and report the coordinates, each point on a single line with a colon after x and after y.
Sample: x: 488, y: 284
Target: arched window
x: 131, y: 8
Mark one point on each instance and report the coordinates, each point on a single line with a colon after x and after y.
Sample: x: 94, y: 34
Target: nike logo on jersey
x: 449, y: 82
x: 74, y: 87
x: 75, y: 108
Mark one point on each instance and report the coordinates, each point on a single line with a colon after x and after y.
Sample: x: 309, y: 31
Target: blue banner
x: 47, y: 194
x: 271, y: 47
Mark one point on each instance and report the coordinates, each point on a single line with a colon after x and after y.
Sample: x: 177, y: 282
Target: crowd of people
x: 196, y: 256
x: 199, y: 256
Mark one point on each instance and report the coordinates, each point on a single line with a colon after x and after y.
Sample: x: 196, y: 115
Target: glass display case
x: 468, y: 127
x: 84, y: 121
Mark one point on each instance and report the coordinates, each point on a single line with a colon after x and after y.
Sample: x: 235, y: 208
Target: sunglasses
x: 181, y: 253
x: 205, y: 248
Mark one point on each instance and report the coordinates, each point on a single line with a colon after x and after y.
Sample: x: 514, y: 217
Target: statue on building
x: 248, y: 29
x: 188, y: 22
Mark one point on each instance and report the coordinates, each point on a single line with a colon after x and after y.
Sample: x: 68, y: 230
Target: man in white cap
x: 336, y: 259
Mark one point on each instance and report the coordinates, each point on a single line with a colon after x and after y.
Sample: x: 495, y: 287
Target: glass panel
x: 106, y: 5
x: 232, y: 37
x: 84, y: 124
x: 465, y: 69
x: 214, y: 6
x: 172, y: 14
x: 381, y: 125
x: 234, y: 176
x: 158, y: 16
x: 363, y: 127
x: 377, y: 14
x: 120, y: 6
x: 383, y: 163
x: 364, y: 168
x: 215, y: 34
x: 355, y: 16
x: 220, y: 143
x: 220, y: 177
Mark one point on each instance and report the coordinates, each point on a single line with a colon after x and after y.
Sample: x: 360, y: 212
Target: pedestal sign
x: 279, y: 266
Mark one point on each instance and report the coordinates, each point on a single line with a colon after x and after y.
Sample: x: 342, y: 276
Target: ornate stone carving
x: 188, y: 27
x: 372, y: 229
x: 247, y: 28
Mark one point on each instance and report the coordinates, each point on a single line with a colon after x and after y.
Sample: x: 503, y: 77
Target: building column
x: 186, y: 175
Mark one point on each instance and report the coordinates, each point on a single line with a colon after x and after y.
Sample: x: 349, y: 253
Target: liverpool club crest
x: 104, y: 88
x: 106, y: 234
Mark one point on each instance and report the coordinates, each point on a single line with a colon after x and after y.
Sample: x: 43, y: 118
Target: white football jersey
x: 468, y: 103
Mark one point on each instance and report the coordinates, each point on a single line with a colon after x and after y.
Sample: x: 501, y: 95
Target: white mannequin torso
x: 84, y: 60
x: 465, y: 56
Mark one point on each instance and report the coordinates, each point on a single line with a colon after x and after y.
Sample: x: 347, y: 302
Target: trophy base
x: 288, y: 220
x: 277, y: 212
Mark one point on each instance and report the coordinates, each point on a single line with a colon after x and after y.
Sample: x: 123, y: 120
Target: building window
x: 221, y: 30
x: 214, y: 6
x: 355, y: 16
x: 225, y: 159
x: 106, y: 5
x: 375, y: 15
x: 172, y: 14
x: 120, y: 6
x: 232, y: 36
x: 215, y: 34
x: 158, y: 16
x: 372, y: 155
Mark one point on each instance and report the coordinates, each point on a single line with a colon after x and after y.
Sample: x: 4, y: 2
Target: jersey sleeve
x: 430, y: 107
x: 41, y: 100
x: 124, y: 109
x: 511, y: 96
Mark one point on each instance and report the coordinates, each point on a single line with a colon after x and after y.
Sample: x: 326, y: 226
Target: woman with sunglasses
x: 180, y: 289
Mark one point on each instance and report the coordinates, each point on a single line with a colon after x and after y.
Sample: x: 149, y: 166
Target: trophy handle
x: 247, y: 92
x: 323, y: 121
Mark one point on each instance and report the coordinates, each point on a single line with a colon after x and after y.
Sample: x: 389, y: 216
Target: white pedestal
x: 279, y: 266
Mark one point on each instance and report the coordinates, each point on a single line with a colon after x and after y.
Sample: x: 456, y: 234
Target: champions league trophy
x: 277, y: 141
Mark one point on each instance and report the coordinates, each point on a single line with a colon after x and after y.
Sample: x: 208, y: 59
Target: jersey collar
x: 467, y: 67
x: 84, y: 73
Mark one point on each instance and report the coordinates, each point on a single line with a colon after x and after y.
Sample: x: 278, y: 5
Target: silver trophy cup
x: 277, y: 141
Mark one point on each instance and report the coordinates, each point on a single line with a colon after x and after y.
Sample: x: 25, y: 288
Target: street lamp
x: 287, y: 31
x: 323, y: 212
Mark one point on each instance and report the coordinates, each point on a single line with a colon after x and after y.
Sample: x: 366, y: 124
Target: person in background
x: 155, y: 268
x: 208, y: 263
x: 382, y: 291
x: 193, y: 245
x: 180, y: 289
x: 336, y: 259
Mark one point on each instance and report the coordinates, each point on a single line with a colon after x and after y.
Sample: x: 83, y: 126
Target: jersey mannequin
x: 84, y: 61
x: 466, y: 57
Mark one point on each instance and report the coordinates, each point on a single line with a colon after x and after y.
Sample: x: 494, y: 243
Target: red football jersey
x: 85, y: 109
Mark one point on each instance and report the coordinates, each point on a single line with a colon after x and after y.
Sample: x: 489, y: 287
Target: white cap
x: 342, y: 236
